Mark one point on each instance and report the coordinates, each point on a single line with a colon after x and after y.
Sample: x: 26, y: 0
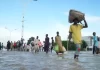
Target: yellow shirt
x: 76, y: 33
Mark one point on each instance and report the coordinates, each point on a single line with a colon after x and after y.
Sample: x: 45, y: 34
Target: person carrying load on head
x: 75, y: 34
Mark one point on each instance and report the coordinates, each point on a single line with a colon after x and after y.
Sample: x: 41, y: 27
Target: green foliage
x: 84, y: 44
x: 29, y: 41
x: 71, y: 45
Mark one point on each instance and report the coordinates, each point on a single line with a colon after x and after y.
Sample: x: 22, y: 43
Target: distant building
x: 89, y: 41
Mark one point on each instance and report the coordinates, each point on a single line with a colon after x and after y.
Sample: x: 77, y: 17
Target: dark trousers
x: 94, y: 49
x: 43, y: 49
x: 51, y: 48
x: 46, y: 48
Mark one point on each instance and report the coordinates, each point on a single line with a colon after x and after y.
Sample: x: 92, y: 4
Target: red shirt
x: 14, y: 44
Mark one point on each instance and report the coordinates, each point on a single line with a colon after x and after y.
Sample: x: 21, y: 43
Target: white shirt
x: 36, y: 41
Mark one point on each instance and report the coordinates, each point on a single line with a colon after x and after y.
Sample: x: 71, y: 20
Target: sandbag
x: 75, y: 14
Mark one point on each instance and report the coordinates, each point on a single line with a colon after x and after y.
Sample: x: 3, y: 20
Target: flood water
x: 14, y: 60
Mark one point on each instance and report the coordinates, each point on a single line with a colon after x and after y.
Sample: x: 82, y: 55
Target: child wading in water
x: 75, y: 34
x: 95, y: 45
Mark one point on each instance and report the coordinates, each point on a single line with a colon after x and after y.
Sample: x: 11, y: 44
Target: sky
x: 45, y: 17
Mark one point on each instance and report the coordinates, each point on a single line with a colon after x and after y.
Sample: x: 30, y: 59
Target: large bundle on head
x: 75, y: 14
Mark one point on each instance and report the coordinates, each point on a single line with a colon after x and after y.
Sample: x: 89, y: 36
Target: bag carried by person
x: 75, y: 14
x: 56, y: 48
x: 97, y: 50
x: 64, y: 50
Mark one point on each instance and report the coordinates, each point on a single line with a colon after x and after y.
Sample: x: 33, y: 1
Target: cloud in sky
x: 93, y: 19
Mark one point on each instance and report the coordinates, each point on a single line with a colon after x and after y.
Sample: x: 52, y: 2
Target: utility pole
x: 22, y: 34
x: 23, y: 27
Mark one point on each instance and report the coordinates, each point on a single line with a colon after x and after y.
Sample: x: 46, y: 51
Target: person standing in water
x: 59, y: 43
x: 95, y: 45
x: 32, y: 45
x: 46, y: 45
x: 2, y: 46
x: 75, y: 34
x: 36, y: 46
x: 52, y: 44
x: 40, y: 45
x: 8, y: 45
x: 11, y: 46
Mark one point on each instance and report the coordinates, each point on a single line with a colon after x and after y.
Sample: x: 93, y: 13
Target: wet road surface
x: 14, y: 60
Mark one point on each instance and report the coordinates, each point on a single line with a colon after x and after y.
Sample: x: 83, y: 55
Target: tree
x: 71, y: 45
x: 84, y: 44
x: 28, y: 42
x: 30, y: 39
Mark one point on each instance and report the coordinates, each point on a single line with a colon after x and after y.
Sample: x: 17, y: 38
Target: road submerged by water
x: 15, y: 60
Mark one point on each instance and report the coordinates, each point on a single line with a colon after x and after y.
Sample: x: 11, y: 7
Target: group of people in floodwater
x: 74, y: 33
x: 36, y: 45
x: 14, y: 45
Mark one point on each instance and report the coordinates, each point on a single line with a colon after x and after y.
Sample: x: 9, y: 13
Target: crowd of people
x: 14, y: 45
x: 36, y: 45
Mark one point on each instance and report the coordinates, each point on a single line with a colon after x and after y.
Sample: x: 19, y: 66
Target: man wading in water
x: 46, y: 46
x: 52, y: 44
x: 95, y: 45
x: 75, y: 34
